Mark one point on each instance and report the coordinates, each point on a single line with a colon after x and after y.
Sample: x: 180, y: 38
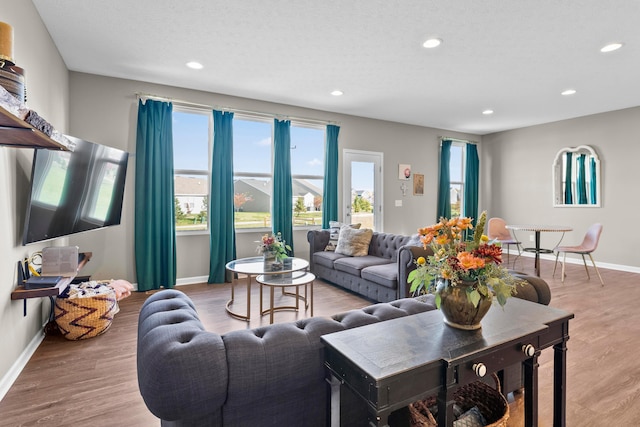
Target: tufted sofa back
x: 386, y: 245
x: 272, y: 375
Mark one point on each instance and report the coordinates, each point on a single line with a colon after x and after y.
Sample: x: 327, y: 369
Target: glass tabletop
x: 256, y: 265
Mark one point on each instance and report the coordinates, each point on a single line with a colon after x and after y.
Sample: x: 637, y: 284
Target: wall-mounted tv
x: 74, y: 191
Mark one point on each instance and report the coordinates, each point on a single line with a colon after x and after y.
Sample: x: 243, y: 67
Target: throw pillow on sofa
x: 334, y: 233
x: 353, y: 241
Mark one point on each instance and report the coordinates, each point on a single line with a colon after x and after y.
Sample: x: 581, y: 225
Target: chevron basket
x: 85, y: 317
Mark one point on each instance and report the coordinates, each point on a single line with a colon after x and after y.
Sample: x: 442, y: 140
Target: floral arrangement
x: 275, y: 245
x: 474, y: 265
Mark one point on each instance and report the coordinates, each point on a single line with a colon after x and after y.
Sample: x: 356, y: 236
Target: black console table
x: 393, y: 363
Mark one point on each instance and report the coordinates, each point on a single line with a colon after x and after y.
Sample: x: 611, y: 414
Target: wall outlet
x: 398, y: 203
x: 531, y: 239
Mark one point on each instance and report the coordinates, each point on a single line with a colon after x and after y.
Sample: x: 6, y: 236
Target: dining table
x: 538, y: 229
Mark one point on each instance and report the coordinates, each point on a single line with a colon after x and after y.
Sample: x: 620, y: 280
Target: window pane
x: 191, y: 201
x: 456, y: 199
x: 252, y: 202
x: 190, y: 141
x: 191, y: 153
x: 307, y: 151
x: 307, y: 170
x: 251, y: 146
x: 455, y: 163
x: 362, y: 194
x: 252, y: 169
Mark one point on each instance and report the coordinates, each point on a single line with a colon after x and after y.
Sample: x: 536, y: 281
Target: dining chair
x: 588, y: 245
x: 497, y: 230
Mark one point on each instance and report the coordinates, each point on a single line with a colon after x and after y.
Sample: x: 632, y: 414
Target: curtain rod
x: 457, y: 140
x: 144, y: 96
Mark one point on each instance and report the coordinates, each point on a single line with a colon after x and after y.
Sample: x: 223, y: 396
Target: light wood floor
x: 93, y: 382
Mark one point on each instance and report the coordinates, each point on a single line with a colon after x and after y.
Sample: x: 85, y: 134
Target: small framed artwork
x: 418, y: 184
x: 404, y: 172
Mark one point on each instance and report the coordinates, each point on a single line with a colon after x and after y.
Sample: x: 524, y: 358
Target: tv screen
x: 74, y: 191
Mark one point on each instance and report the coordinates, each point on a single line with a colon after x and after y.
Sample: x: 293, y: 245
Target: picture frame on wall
x: 418, y: 184
x: 404, y: 172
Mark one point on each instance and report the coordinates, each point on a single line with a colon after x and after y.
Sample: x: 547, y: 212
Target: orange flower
x: 470, y: 262
x: 443, y: 239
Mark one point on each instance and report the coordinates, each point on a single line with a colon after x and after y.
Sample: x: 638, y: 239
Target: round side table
x: 282, y: 281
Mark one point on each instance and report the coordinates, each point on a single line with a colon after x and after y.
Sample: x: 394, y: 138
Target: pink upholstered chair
x: 497, y: 230
x: 588, y: 245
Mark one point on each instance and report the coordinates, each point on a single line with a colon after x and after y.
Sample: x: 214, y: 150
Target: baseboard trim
x: 12, y: 375
x: 571, y: 260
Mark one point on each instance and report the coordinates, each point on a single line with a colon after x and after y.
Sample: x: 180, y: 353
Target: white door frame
x: 375, y: 157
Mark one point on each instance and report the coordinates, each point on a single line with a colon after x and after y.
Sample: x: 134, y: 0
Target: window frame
x: 197, y: 172
x: 461, y: 182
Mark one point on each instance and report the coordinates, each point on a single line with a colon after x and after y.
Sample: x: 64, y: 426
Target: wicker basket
x: 85, y: 317
x: 490, y: 401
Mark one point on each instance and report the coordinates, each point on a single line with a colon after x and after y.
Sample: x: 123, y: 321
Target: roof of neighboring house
x: 187, y: 186
x: 259, y: 184
x: 299, y: 187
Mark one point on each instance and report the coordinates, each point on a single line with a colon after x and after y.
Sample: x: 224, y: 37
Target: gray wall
x: 518, y: 180
x: 47, y: 93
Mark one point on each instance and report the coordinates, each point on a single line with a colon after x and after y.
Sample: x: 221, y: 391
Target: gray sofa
x: 377, y: 276
x: 269, y: 376
x: 382, y: 274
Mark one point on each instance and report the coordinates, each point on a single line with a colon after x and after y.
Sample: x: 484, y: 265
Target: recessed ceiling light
x: 568, y: 92
x: 195, y: 65
x: 431, y: 43
x: 337, y: 93
x: 487, y: 112
x: 611, y: 47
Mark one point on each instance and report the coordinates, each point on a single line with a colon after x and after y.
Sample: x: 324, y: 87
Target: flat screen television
x: 74, y: 191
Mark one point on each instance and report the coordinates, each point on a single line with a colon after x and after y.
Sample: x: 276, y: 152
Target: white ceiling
x: 514, y: 57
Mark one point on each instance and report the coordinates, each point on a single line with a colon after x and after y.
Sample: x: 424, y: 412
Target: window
x: 191, y: 135
x: 252, y: 165
x: 307, y: 174
x: 456, y: 177
x: 252, y: 160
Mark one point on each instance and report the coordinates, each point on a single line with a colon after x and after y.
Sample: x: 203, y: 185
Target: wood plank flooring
x: 94, y: 383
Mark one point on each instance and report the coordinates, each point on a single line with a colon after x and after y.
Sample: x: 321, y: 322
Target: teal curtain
x: 568, y: 195
x: 222, y: 236
x: 594, y: 182
x: 282, y: 216
x: 330, y: 193
x: 471, y: 177
x: 581, y: 182
x: 444, y: 184
x: 155, y: 229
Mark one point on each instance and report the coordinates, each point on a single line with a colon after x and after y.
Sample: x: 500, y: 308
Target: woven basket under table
x: 85, y: 317
x: 490, y: 401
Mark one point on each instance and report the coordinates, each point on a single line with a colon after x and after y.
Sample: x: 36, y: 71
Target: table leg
x: 445, y: 399
x: 271, y: 305
x: 311, y: 296
x: 559, y: 384
x: 537, y: 262
x: 531, y: 390
x: 334, y: 400
x: 246, y: 317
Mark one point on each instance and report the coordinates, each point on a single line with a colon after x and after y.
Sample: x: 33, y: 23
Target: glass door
x: 362, y: 188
